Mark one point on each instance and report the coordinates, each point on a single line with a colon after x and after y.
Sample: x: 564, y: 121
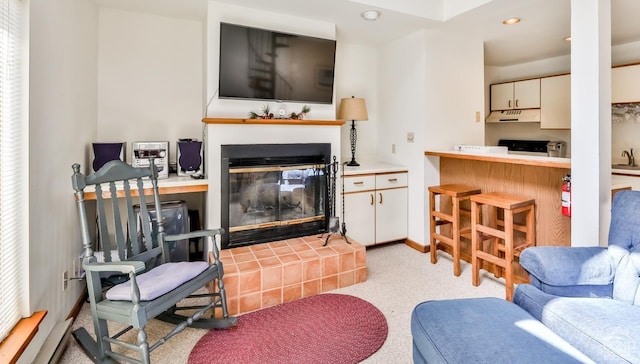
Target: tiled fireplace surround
x: 268, y: 274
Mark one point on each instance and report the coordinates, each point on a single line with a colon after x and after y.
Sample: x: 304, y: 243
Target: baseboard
x: 417, y: 246
x: 53, y: 347
x: 56, y: 342
x: 75, y: 310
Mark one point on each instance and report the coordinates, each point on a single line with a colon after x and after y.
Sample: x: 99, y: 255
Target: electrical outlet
x: 65, y: 279
x: 477, y: 116
x: 393, y: 149
x: 410, y: 137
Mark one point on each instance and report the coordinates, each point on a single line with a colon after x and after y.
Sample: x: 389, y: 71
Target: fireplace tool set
x: 334, y: 220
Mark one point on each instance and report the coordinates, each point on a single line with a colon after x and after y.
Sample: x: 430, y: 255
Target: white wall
x: 402, y: 72
x: 454, y: 83
x: 357, y: 74
x: 625, y: 53
x: 63, y: 69
x: 431, y: 85
x: 150, y: 78
x: 219, y: 12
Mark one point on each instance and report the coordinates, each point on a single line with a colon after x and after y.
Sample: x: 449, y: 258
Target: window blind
x: 14, y: 182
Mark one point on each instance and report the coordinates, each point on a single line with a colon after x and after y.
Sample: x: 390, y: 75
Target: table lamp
x: 353, y: 109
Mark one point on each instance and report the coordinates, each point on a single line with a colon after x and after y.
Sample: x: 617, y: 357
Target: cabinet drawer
x: 359, y: 183
x: 391, y: 180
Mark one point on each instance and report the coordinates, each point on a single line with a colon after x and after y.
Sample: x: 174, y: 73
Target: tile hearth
x: 265, y: 275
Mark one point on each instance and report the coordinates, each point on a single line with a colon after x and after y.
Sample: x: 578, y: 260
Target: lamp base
x: 353, y: 163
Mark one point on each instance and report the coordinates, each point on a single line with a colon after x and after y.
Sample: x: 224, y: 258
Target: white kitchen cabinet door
x: 391, y: 215
x: 555, y: 102
x: 526, y: 94
x: 360, y: 214
x: 502, y: 96
x: 624, y: 84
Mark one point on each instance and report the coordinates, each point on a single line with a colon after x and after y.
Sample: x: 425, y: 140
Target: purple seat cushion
x: 158, y: 281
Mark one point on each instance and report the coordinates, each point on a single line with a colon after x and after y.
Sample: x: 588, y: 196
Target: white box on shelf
x: 480, y: 149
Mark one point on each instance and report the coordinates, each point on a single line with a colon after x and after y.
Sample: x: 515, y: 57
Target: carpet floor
x: 398, y: 278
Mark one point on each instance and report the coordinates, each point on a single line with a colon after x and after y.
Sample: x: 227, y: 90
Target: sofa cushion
x: 581, y: 271
x: 604, y: 329
x: 483, y: 330
x: 624, y: 246
x: 158, y: 281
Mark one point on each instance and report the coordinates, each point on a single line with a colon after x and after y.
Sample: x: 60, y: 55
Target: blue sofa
x: 590, y: 296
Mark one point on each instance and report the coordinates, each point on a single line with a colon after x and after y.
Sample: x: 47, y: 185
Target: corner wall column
x: 590, y: 121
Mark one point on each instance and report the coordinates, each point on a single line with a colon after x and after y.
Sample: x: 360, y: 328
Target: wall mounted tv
x: 262, y: 64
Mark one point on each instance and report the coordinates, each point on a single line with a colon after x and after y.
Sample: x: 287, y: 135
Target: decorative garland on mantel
x: 267, y: 114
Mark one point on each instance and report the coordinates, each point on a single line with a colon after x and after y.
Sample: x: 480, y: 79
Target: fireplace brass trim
x: 276, y: 223
x: 235, y: 170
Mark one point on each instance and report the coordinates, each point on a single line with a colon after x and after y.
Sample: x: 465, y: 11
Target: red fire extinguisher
x: 566, y: 195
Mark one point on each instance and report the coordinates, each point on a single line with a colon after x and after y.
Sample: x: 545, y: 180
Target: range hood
x: 514, y: 116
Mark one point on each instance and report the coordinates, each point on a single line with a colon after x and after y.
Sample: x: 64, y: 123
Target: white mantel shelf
x: 238, y: 121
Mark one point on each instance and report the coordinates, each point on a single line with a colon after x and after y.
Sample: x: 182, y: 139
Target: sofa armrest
x: 579, y: 271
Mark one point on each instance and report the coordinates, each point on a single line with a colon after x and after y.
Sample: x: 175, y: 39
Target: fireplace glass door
x: 264, y: 198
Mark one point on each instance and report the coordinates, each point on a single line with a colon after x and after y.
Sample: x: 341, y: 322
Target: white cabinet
x: 376, y: 207
x: 516, y: 95
x: 624, y: 84
x: 555, y: 102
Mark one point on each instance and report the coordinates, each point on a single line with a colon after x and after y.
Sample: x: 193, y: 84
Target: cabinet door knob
x: 380, y: 193
x: 358, y: 183
x: 371, y: 195
x: 393, y: 180
x: 509, y: 103
x: 517, y: 103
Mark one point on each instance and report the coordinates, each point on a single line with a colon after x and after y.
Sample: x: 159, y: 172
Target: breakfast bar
x: 535, y: 177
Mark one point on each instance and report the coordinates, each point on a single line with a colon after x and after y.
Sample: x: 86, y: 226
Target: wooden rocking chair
x: 153, y: 285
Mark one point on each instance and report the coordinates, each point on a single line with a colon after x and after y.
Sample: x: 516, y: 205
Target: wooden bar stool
x: 501, y: 232
x: 457, y: 193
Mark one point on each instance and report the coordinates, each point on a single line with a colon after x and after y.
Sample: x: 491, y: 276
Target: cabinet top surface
x: 372, y: 168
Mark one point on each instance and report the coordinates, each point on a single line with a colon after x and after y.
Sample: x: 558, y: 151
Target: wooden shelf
x: 239, y: 121
x: 168, y: 186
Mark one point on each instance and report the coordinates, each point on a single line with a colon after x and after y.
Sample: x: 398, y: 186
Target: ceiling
x: 540, y: 34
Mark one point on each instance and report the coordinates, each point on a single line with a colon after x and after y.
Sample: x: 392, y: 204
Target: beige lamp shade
x: 353, y: 108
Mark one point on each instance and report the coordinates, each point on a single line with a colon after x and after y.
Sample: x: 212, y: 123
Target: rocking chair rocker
x: 154, y: 285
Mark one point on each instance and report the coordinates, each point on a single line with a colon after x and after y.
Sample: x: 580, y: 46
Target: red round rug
x: 327, y: 328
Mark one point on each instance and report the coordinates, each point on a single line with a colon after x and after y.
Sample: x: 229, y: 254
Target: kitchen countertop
x: 531, y: 160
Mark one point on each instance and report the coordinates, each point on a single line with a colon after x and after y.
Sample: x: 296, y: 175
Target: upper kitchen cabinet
x: 624, y: 84
x: 555, y: 102
x: 516, y: 95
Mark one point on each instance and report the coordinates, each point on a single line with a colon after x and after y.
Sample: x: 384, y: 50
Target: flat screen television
x: 262, y: 64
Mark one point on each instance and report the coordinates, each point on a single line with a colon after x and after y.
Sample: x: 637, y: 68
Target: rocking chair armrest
x: 194, y: 234
x: 122, y: 267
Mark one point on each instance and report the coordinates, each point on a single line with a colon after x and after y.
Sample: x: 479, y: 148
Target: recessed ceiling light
x: 370, y: 15
x: 511, y: 21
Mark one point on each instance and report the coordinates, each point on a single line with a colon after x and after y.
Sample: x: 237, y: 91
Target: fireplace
x: 273, y: 192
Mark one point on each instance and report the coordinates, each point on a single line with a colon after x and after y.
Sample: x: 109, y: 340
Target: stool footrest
x: 442, y: 222
x: 491, y: 231
x: 442, y: 216
x: 491, y: 258
x: 445, y: 239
